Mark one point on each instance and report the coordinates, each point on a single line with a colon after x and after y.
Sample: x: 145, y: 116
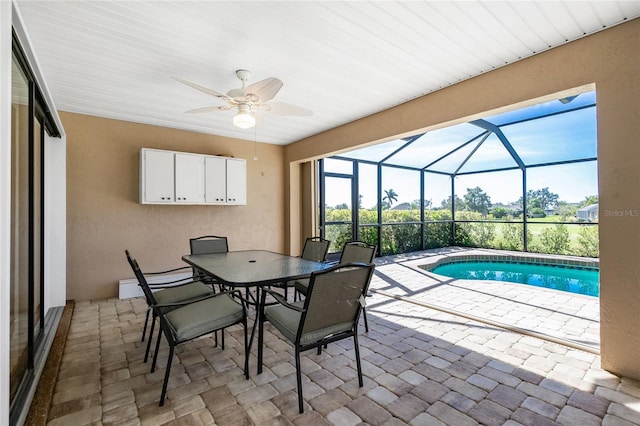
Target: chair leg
x: 358, y: 363
x: 299, y: 381
x: 260, y: 314
x: 153, y: 324
x: 222, y: 337
x: 261, y: 320
x: 146, y: 321
x: 366, y: 323
x: 155, y: 354
x: 246, y: 350
x: 166, y: 374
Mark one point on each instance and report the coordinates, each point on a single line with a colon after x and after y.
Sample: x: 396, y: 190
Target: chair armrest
x: 281, y: 300
x: 183, y: 303
x: 168, y: 271
x: 187, y: 280
x: 173, y: 284
x: 199, y: 299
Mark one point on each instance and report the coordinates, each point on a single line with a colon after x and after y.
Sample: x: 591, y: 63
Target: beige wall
x: 608, y: 59
x: 104, y: 216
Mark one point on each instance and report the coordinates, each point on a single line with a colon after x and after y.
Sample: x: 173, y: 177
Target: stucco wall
x: 610, y: 61
x: 104, y: 216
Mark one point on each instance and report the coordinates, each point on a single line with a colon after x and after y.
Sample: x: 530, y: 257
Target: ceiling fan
x: 249, y: 100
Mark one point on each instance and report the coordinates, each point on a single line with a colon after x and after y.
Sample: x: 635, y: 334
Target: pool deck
x: 420, y: 366
x: 544, y: 312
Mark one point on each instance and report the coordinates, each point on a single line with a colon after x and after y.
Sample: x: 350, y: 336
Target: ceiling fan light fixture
x: 248, y: 100
x: 244, y: 119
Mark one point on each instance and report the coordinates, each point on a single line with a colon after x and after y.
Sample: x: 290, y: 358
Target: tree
x: 390, y: 197
x: 342, y: 206
x: 589, y: 200
x: 477, y: 200
x: 545, y: 199
x: 566, y: 210
x: 446, y: 204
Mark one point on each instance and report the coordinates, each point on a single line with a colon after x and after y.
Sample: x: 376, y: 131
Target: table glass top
x: 253, y: 267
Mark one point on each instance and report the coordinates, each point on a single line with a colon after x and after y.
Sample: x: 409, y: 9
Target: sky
x: 573, y: 183
x: 557, y: 137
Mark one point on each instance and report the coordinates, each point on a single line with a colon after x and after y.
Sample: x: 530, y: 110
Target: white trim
x: 25, y: 43
x: 55, y: 204
x: 5, y: 204
x: 55, y: 222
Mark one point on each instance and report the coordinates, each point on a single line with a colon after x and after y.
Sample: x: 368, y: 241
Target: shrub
x: 588, y: 244
x: 537, y: 212
x: 482, y: 234
x: 511, y: 237
x: 555, y: 239
x: 502, y: 212
x: 437, y: 235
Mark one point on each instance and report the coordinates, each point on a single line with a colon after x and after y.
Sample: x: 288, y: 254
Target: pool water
x: 574, y: 280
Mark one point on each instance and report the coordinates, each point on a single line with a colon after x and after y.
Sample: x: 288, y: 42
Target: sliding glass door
x: 27, y: 226
x: 19, y: 311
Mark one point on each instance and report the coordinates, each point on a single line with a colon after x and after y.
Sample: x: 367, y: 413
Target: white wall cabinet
x: 169, y: 177
x: 236, y: 181
x: 157, y: 181
x: 215, y: 180
x: 189, y: 178
x: 225, y: 180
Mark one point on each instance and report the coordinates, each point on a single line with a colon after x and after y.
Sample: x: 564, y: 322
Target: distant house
x: 588, y: 213
x: 402, y: 206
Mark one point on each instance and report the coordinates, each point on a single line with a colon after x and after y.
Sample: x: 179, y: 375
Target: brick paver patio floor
x: 421, y: 366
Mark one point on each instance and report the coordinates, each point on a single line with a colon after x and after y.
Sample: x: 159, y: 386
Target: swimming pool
x: 575, y: 280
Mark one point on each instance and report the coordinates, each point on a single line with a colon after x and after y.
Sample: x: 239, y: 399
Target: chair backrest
x: 334, y: 297
x: 208, y: 244
x: 315, y: 248
x: 142, y: 281
x: 357, y: 251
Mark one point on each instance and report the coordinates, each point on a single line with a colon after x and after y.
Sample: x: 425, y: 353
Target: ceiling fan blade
x: 208, y: 109
x: 203, y: 89
x: 265, y: 89
x: 283, y: 108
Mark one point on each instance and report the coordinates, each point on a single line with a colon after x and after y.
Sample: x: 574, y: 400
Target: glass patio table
x: 253, y: 269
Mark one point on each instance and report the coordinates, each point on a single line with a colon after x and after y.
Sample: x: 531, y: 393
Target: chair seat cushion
x: 302, y: 285
x: 286, y: 320
x: 206, y: 316
x: 182, y: 293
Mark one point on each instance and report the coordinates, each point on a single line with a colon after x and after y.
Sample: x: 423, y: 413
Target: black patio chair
x: 355, y: 251
x: 184, y: 321
x: 329, y: 313
x: 206, y: 245
x: 175, y: 291
x: 315, y: 249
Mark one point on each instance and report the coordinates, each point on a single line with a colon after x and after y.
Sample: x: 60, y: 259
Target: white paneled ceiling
x: 343, y: 60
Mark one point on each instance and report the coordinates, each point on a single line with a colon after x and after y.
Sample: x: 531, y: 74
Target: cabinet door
x: 236, y: 181
x: 215, y: 180
x: 189, y: 178
x: 157, y: 176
